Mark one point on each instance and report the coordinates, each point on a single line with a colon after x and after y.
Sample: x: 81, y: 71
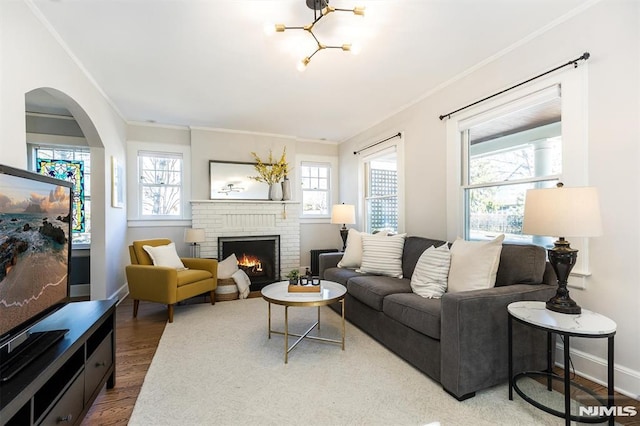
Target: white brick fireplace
x: 222, y: 218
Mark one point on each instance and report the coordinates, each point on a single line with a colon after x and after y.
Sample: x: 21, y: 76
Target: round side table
x: 587, y: 324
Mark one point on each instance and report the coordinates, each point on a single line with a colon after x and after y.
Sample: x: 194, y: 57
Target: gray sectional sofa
x: 459, y: 340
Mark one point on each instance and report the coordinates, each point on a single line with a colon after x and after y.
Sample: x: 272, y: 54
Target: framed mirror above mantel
x: 231, y: 180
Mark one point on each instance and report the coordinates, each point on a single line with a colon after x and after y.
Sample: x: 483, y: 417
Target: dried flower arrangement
x: 272, y: 171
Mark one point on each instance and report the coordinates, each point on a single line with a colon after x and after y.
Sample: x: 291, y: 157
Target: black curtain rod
x: 574, y: 62
x: 397, y: 135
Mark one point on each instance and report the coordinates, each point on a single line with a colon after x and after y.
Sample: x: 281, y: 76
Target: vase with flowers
x: 271, y: 173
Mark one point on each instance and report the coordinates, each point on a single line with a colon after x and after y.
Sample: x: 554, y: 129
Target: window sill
x: 150, y: 223
x: 317, y: 219
x: 80, y: 250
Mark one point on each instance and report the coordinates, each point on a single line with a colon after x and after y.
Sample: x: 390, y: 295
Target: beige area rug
x: 215, y: 366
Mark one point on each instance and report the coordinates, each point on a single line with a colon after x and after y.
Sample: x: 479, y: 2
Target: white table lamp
x: 562, y: 212
x: 193, y: 236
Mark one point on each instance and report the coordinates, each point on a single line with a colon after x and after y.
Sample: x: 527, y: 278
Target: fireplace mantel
x: 232, y: 201
x: 226, y: 218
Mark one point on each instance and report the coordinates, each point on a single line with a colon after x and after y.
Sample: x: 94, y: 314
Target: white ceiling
x: 209, y: 63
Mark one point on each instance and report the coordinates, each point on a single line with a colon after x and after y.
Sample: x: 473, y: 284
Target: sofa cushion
x: 521, y: 264
x: 418, y: 313
x: 382, y: 256
x: 352, y: 257
x: 372, y: 289
x: 432, y: 270
x: 474, y: 264
x: 413, y: 249
x: 340, y: 275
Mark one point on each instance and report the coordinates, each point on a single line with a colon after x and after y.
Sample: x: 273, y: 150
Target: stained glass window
x: 71, y: 171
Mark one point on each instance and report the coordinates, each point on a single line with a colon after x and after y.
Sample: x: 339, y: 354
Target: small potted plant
x: 293, y: 276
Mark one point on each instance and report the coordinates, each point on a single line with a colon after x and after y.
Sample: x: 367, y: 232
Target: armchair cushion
x: 189, y: 276
x: 141, y: 256
x: 210, y: 265
x: 164, y: 256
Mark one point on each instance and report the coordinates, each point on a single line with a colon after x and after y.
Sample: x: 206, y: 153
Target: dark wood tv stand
x: 60, y: 385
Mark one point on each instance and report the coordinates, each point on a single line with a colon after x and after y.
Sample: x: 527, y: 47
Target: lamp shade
x: 343, y: 213
x: 562, y: 212
x: 194, y: 235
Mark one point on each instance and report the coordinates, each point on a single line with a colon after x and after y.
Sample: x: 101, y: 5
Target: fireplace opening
x: 258, y: 257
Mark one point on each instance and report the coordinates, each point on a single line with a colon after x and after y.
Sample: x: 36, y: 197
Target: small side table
x: 587, y: 324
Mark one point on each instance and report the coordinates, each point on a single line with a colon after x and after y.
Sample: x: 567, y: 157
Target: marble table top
x: 585, y: 323
x: 329, y: 291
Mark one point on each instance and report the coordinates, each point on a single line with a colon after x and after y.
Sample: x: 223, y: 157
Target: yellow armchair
x: 168, y: 285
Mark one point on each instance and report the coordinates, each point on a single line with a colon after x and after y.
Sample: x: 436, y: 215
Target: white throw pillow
x: 352, y: 257
x: 429, y: 278
x: 227, y: 267
x: 382, y: 256
x: 165, y: 256
x: 474, y: 264
x: 243, y: 282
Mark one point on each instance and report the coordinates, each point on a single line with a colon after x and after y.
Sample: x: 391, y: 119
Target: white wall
x: 609, y: 30
x: 30, y: 58
x: 226, y: 145
x: 222, y: 145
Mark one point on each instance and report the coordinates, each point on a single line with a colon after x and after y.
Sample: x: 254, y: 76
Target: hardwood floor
x: 136, y: 343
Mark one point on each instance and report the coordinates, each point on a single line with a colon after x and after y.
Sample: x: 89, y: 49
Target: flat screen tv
x: 35, y: 249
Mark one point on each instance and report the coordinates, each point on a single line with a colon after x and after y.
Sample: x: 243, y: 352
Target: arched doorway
x: 55, y: 121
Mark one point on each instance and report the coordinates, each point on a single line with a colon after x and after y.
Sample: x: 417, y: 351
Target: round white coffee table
x: 278, y: 293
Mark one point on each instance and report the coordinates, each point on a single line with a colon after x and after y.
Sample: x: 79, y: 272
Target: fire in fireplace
x: 258, y: 256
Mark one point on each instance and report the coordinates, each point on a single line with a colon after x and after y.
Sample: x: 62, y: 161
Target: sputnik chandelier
x: 320, y: 9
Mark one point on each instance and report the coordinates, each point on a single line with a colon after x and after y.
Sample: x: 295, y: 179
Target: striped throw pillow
x: 382, y: 255
x: 429, y: 278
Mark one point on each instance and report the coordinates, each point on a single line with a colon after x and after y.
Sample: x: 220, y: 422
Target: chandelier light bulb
x: 269, y: 28
x: 356, y: 48
x: 302, y: 65
x: 358, y: 10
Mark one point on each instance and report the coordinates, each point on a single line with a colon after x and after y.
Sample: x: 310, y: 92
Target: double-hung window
x: 513, y: 148
x: 160, y: 184
x: 530, y: 137
x: 316, y: 188
x: 381, y: 191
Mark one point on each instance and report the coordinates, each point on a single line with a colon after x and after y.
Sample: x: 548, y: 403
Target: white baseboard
x: 84, y: 290
x: 121, y: 293
x: 625, y: 380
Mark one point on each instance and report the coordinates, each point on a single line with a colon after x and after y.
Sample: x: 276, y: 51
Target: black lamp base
x: 562, y: 259
x: 564, y: 306
x: 344, y: 232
